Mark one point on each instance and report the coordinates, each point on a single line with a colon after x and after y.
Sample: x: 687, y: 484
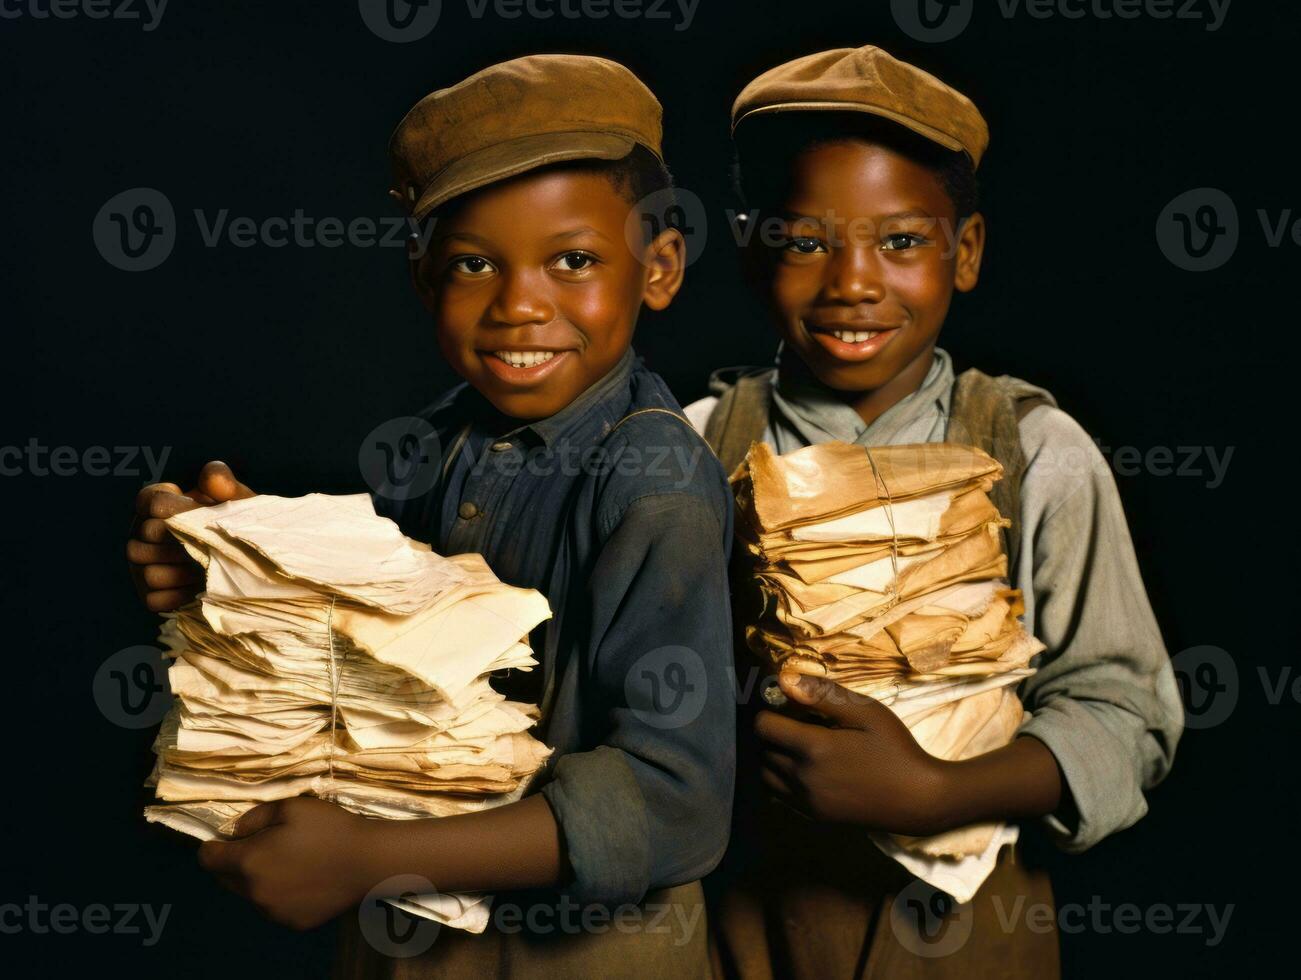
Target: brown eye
x: 576, y: 261
x: 804, y: 246
x: 471, y: 265
x: 902, y: 241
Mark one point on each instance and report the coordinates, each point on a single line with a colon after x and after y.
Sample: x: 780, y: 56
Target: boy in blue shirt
x: 570, y: 468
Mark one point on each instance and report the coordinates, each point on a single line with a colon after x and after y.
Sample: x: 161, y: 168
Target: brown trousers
x: 664, y: 936
x: 811, y: 902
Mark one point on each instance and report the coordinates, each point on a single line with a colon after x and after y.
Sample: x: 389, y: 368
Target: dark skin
x: 564, y: 281
x: 867, y: 243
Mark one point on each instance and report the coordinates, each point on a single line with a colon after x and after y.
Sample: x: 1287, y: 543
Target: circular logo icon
x: 401, y: 458
x: 400, y: 21
x: 927, y: 922
x: 135, y: 231
x: 131, y: 687
x: 1198, y: 230
x: 390, y: 930
x: 1208, y: 684
x: 672, y: 207
x: 932, y: 21
x: 667, y: 687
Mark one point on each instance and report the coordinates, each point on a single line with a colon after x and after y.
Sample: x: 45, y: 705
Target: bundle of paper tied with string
x: 884, y: 571
x: 330, y: 655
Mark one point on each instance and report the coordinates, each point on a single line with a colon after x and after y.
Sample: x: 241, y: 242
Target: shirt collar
x: 818, y: 413
x: 592, y: 413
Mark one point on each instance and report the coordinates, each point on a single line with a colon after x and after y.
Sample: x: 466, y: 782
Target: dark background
x: 281, y: 360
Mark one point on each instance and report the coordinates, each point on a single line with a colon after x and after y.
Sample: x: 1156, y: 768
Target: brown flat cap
x: 868, y: 80
x: 515, y: 116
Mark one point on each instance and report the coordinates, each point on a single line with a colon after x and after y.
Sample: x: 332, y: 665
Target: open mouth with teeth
x: 523, y: 367
x: 851, y: 345
x: 853, y: 336
x: 524, y: 358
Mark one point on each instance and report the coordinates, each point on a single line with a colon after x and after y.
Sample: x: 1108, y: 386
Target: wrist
x: 939, y: 801
x: 372, y: 852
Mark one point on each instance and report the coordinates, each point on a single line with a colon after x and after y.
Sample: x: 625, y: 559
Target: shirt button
x: 467, y: 510
x: 500, y: 447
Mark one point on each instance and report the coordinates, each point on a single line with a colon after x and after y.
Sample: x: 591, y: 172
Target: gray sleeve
x: 1104, y: 699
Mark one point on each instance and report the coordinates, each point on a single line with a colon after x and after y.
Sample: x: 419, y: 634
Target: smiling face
x: 860, y: 263
x: 535, y: 290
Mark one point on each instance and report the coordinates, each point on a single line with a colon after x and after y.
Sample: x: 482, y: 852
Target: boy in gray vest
x: 858, y: 173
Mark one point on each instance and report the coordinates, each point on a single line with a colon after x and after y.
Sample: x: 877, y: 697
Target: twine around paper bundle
x: 894, y: 533
x: 334, y: 692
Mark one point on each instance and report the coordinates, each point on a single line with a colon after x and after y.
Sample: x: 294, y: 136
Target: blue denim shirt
x: 618, y: 512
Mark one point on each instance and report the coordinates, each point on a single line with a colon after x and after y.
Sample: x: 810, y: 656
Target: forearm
x: 513, y: 846
x: 1020, y: 781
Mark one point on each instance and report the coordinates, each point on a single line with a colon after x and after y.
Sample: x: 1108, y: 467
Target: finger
x: 194, y: 493
x: 165, y: 505
x: 219, y: 483
x: 777, y: 783
x: 154, y: 531
x: 232, y: 883
x: 259, y: 818
x: 784, y: 734
x: 171, y: 576
x: 167, y: 600
x: 143, y: 553
x: 221, y: 858
x: 146, y: 493
x: 783, y: 765
x: 838, y: 704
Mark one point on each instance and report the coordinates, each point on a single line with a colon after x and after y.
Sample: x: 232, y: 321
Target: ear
x: 665, y: 259
x: 417, y: 248
x: 971, y: 249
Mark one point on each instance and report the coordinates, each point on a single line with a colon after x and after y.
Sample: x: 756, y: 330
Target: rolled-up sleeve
x: 650, y: 805
x: 1104, y: 700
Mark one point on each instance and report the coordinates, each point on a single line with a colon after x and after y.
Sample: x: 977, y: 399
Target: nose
x: 854, y: 276
x: 522, y: 298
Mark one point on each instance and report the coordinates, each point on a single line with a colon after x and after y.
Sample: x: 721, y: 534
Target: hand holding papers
x: 330, y: 655
x: 884, y: 571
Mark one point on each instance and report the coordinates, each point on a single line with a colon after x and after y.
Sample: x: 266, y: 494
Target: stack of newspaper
x: 330, y: 655
x: 884, y: 570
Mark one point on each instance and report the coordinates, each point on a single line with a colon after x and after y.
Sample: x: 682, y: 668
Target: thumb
x: 837, y: 704
x: 261, y: 817
x: 218, y: 482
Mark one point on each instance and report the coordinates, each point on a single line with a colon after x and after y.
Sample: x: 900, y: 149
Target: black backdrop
x: 281, y: 359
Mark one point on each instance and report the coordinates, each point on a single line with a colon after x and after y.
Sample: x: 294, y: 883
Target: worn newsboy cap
x: 515, y: 116
x: 868, y: 80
